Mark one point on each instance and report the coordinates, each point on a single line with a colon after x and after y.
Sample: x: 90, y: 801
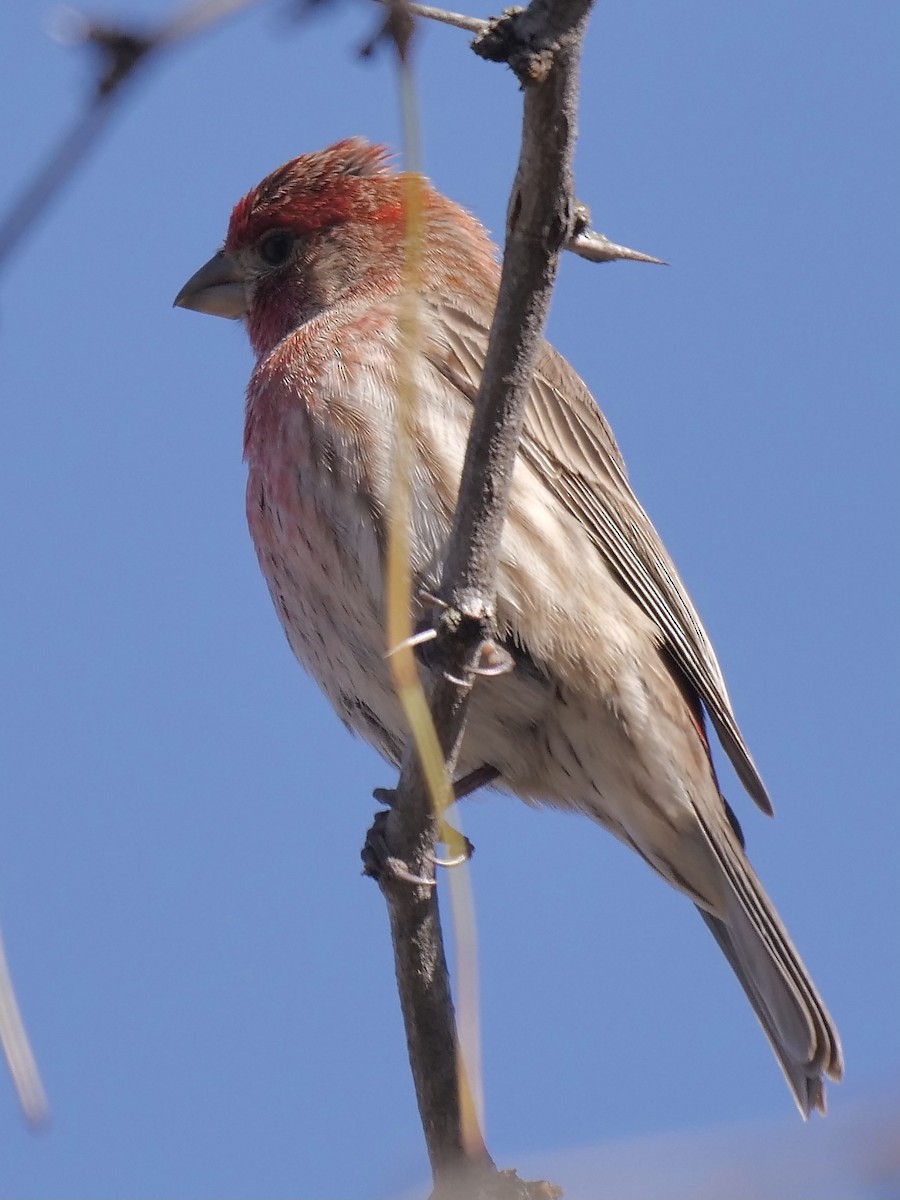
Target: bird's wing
x: 568, y: 441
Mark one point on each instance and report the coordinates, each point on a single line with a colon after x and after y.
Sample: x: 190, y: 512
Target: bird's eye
x: 275, y: 248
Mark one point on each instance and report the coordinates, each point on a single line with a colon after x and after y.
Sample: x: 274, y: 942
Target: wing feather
x: 569, y: 443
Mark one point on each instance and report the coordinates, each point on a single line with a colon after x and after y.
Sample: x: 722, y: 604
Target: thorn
x: 416, y: 639
x: 429, y: 600
x: 595, y: 247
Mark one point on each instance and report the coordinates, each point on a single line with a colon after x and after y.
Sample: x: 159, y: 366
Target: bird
x: 614, y: 680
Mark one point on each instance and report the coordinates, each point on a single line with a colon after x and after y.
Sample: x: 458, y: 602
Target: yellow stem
x: 399, y: 627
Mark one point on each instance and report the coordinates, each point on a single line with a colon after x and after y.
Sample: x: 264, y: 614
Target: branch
x: 119, y: 51
x: 543, y: 46
x: 459, y: 20
x: 493, y: 41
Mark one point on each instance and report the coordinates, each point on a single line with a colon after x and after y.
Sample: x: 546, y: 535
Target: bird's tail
x: 778, y: 985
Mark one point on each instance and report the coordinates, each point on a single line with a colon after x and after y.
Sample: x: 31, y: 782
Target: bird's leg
x: 464, y: 786
x: 481, y: 777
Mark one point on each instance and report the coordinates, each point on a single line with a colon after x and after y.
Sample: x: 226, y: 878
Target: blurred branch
x: 17, y: 1051
x: 119, y: 51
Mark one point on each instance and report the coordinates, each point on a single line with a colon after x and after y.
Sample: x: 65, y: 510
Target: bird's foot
x: 379, y: 863
x: 375, y: 854
x: 493, y: 659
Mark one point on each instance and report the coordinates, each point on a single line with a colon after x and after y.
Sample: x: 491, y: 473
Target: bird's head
x: 322, y: 228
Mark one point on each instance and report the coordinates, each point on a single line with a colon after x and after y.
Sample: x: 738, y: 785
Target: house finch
x: 613, y: 672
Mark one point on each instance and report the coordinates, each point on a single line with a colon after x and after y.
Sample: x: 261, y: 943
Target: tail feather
x: 808, y: 1089
x: 762, y: 955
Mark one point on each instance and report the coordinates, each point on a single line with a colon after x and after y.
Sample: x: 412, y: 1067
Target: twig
x: 543, y: 44
x: 120, y: 50
x: 459, y: 20
x: 17, y: 1051
x: 584, y: 242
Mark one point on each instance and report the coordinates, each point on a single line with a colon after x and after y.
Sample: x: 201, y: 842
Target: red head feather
x: 317, y: 190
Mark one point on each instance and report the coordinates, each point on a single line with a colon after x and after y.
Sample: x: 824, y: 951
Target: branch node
x: 465, y: 644
x: 120, y: 50
x: 506, y: 39
x: 398, y: 27
x: 581, y: 218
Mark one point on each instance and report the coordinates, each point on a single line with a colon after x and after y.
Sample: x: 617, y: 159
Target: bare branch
x: 459, y: 20
x: 491, y: 43
x: 543, y: 45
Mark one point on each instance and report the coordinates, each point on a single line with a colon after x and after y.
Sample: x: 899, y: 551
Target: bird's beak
x: 217, y: 289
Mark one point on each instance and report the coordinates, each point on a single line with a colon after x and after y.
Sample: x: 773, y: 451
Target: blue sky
x: 206, y: 977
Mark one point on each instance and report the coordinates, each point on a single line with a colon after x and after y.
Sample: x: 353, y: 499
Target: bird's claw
x: 377, y: 859
x: 453, y: 837
x: 379, y: 863
x: 493, y: 659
